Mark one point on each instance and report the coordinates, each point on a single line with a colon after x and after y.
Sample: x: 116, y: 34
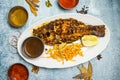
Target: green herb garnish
x: 48, y: 3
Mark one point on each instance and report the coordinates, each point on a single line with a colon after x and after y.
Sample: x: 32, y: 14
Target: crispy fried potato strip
x: 64, y: 51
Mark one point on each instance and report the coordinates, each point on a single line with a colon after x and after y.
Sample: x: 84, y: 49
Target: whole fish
x: 66, y: 30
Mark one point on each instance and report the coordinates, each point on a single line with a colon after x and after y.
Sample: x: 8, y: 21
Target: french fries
x: 64, y: 51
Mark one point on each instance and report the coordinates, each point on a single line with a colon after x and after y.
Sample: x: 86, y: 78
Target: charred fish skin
x: 66, y: 30
x: 98, y: 30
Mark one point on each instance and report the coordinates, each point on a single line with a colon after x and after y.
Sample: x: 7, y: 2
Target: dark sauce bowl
x: 32, y: 47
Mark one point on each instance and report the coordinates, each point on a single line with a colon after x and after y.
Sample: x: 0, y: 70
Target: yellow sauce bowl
x: 17, y: 16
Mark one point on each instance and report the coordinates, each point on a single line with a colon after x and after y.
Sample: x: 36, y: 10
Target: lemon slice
x: 89, y: 40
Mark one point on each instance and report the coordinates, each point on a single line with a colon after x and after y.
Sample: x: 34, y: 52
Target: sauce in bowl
x: 68, y: 4
x: 17, y: 16
x: 18, y: 72
x: 33, y: 47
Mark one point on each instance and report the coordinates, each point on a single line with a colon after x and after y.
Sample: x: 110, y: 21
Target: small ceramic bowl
x: 32, y: 47
x: 16, y: 71
x: 17, y: 16
x: 65, y: 4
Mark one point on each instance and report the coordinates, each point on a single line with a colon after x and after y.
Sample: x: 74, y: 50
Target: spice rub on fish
x: 66, y: 30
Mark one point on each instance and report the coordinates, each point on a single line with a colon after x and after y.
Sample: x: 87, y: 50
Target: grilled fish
x: 66, y: 30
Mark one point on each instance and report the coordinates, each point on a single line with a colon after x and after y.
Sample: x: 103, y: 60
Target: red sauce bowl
x: 68, y: 4
x: 18, y: 72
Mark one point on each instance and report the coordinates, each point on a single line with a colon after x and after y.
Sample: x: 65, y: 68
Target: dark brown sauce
x: 33, y: 47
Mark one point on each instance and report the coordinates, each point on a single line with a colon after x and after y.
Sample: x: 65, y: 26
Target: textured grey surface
x: 108, y: 68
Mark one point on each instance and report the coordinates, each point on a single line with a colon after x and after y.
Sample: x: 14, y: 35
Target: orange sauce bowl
x: 68, y: 4
x: 18, y: 72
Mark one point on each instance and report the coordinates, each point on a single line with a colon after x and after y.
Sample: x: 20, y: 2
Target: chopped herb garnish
x: 48, y: 3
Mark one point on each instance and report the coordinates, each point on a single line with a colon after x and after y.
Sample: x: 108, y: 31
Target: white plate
x: 89, y: 53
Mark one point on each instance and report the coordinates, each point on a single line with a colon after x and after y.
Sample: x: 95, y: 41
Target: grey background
x: 108, y: 68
